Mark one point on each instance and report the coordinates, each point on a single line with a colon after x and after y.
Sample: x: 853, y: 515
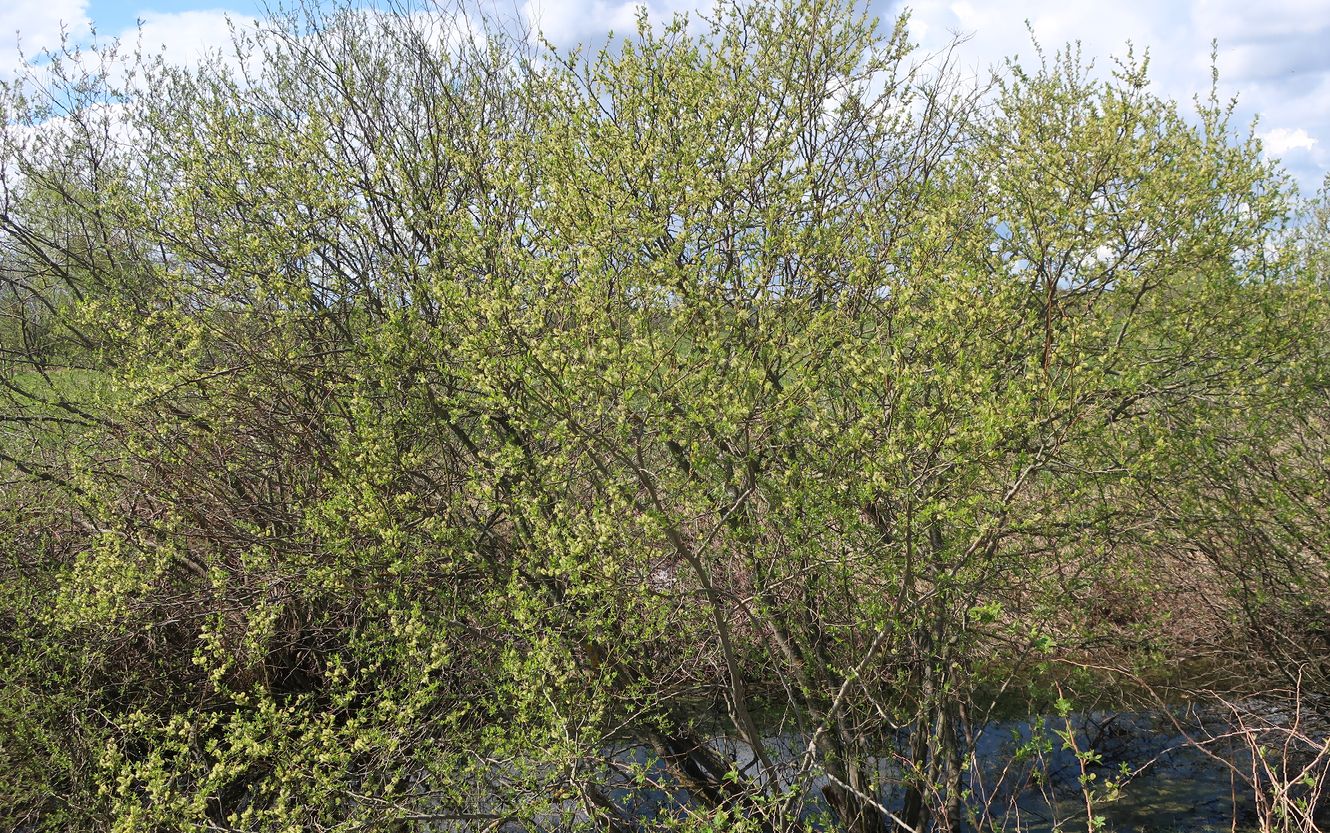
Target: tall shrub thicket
x: 398, y: 419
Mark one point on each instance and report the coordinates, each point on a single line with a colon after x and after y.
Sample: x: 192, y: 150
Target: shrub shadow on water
x: 1144, y: 772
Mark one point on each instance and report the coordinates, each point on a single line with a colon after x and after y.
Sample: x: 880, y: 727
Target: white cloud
x: 181, y: 37
x: 186, y: 37
x: 565, y: 22
x: 1281, y: 140
x: 1237, y: 20
x: 1271, y: 54
x: 36, y: 25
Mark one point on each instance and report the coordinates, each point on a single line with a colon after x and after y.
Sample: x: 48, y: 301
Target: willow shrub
x: 400, y: 419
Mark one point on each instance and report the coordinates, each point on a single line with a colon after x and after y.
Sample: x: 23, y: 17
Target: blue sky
x: 1275, y: 54
x: 117, y: 16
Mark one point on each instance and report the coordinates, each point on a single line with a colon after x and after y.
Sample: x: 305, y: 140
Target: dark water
x: 1024, y: 778
x: 1165, y: 782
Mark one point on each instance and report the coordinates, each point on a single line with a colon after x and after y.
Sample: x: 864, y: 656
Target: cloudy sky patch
x: 1274, y: 55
